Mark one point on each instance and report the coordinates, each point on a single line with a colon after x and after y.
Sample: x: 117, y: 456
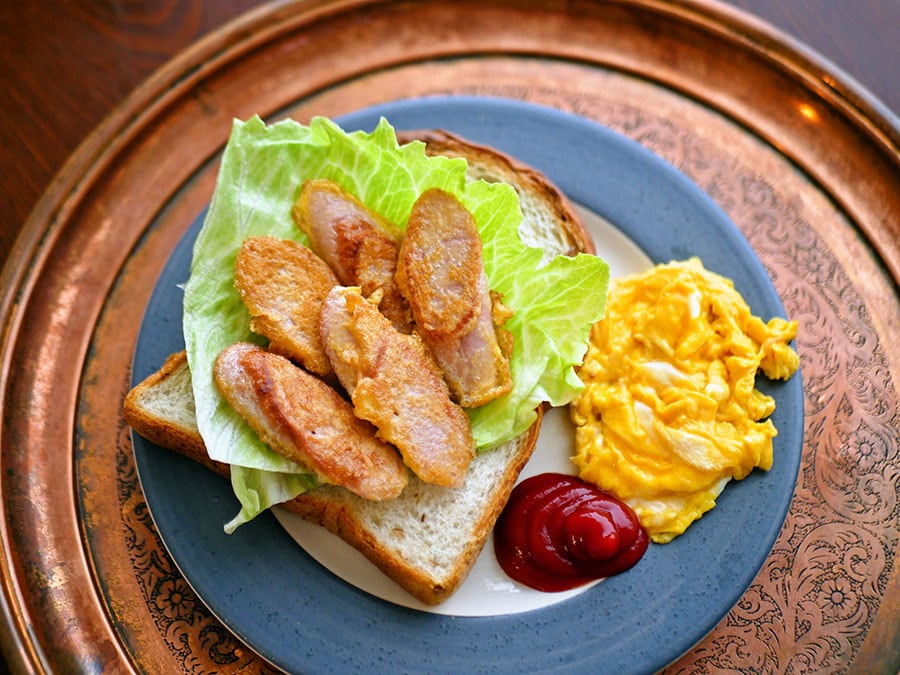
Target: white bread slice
x: 428, y: 538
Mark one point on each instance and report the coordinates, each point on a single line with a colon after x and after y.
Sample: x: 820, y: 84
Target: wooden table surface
x: 65, y: 65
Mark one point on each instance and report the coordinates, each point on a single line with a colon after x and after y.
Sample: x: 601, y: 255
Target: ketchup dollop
x: 558, y: 532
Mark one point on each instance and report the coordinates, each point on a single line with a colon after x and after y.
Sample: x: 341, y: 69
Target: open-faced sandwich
x: 372, y: 328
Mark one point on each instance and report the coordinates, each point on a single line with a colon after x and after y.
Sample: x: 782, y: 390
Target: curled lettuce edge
x: 262, y: 169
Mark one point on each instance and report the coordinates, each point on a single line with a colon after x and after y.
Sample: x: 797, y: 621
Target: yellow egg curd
x: 670, y: 411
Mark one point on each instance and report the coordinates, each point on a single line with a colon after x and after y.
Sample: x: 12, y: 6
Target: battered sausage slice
x: 440, y: 271
x: 359, y: 245
x: 283, y: 285
x: 302, y: 418
x: 394, y: 384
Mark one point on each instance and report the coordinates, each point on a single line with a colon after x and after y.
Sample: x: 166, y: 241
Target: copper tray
x: 804, y: 162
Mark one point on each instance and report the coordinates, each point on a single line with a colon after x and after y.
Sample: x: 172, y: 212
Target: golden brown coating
x: 304, y: 419
x: 440, y: 268
x: 359, y: 245
x: 394, y: 384
x: 441, y: 273
x: 283, y: 285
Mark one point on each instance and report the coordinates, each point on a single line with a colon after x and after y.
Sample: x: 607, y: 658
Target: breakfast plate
x: 803, y: 161
x: 274, y: 595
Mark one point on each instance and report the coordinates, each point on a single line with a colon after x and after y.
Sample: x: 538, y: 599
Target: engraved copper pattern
x: 826, y: 599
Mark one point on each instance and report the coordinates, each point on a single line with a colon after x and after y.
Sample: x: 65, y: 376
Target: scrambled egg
x: 670, y: 413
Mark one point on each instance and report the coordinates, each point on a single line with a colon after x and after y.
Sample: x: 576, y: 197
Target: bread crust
x: 330, y: 508
x: 498, y: 166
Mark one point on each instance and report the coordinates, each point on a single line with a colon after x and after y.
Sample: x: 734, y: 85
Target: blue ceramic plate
x: 303, y: 618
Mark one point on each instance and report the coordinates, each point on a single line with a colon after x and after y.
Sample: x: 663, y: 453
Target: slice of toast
x: 429, y: 537
x: 426, y: 539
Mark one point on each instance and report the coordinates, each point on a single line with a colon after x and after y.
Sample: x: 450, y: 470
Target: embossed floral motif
x: 196, y: 639
x: 837, y: 599
x: 175, y: 599
x: 865, y: 452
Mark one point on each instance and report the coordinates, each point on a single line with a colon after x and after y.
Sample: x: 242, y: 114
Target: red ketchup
x: 558, y: 532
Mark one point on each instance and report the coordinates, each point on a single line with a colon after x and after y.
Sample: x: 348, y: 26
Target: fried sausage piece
x: 302, y: 418
x: 283, y: 285
x: 440, y: 271
x: 360, y: 246
x: 394, y: 384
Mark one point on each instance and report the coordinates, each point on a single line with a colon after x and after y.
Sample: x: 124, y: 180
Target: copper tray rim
x: 21, y: 272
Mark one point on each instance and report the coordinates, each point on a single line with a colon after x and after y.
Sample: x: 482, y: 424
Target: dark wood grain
x: 65, y: 64
x: 859, y: 38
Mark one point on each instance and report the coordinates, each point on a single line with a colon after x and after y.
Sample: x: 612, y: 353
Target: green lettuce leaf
x: 262, y: 169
